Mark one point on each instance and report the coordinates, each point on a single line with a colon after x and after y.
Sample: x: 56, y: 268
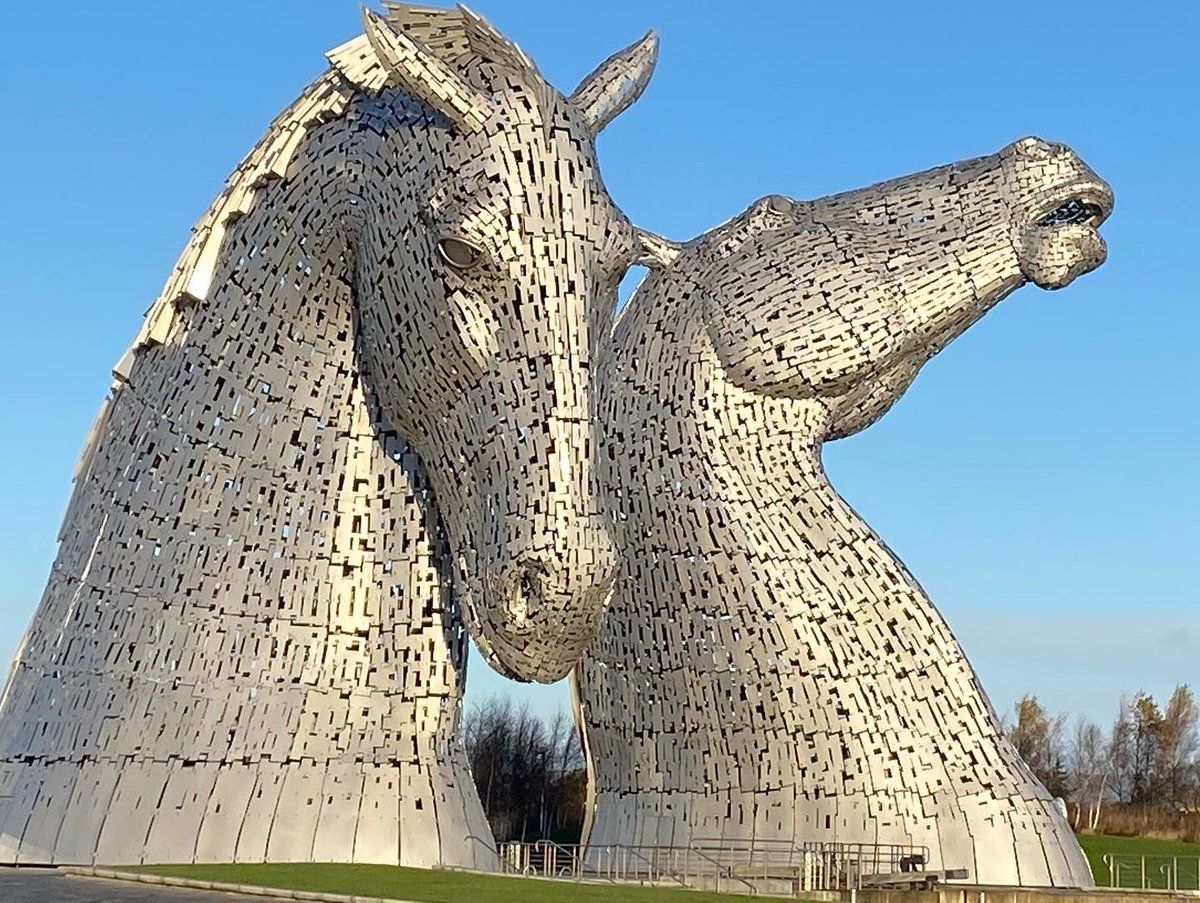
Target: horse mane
x: 474, y: 48
x: 457, y: 36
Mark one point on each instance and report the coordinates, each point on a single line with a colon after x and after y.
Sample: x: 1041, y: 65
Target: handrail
x: 1170, y: 872
x: 808, y: 865
x: 652, y: 869
x: 572, y: 852
x: 692, y: 848
x: 1150, y: 871
x: 489, y: 845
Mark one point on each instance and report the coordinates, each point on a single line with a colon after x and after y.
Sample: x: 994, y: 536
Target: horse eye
x: 459, y: 254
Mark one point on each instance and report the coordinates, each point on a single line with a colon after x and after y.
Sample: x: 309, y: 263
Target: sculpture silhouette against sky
x: 769, y: 670
x: 359, y: 419
x: 248, y: 648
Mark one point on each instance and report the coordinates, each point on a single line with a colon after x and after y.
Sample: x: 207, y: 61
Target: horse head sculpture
x: 487, y: 272
x: 883, y: 278
x: 769, y: 671
x: 377, y: 339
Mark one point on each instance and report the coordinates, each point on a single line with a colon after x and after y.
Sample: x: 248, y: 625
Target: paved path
x: 48, y: 886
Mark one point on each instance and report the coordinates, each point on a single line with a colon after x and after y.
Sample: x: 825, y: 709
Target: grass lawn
x: 1180, y: 860
x: 428, y: 885
x: 1168, y: 863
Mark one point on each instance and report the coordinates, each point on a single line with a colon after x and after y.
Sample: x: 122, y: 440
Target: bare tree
x: 488, y: 730
x: 1120, y: 751
x: 526, y: 769
x: 566, y: 760
x: 1089, y: 770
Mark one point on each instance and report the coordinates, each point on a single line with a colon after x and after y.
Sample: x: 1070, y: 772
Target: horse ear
x: 617, y: 82
x: 657, y: 252
x: 425, y: 77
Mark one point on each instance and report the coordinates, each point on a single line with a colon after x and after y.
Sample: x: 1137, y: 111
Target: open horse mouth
x: 1086, y: 205
x: 1061, y: 241
x: 1076, y: 210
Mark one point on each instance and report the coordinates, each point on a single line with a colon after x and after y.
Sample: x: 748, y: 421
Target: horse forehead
x: 525, y: 130
x: 533, y: 157
x: 543, y: 173
x: 576, y: 210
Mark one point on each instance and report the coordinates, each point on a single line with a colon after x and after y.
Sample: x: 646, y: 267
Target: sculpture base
x: 175, y: 812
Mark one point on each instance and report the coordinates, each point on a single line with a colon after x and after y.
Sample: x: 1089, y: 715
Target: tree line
x: 529, y: 772
x: 1140, y: 776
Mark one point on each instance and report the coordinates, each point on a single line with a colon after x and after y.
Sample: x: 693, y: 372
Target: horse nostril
x: 524, y: 596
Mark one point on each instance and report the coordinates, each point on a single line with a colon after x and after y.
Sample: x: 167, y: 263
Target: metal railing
x: 645, y: 864
x: 713, y: 863
x: 812, y: 865
x: 1131, y: 871
x: 616, y: 862
x: 543, y: 858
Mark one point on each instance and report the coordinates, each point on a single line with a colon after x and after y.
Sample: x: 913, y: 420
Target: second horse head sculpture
x: 769, y: 672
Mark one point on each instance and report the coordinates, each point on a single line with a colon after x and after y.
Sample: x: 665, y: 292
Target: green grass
x: 450, y: 887
x: 1182, y: 861
x: 428, y: 886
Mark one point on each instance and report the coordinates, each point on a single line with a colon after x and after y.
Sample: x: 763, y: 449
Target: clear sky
x: 1040, y: 478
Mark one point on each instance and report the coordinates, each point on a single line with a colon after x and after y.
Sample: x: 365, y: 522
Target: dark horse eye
x: 459, y: 254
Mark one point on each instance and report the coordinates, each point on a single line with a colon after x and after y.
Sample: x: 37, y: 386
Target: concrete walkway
x: 29, y: 885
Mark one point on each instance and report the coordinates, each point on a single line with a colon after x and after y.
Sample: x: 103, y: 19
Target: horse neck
x: 783, y: 512
x: 241, y: 500
x: 846, y: 596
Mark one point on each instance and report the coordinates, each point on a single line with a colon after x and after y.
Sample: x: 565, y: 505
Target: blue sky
x: 1040, y: 478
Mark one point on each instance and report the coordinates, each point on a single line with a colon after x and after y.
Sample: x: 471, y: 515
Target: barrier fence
x: 716, y: 864
x: 1134, y: 872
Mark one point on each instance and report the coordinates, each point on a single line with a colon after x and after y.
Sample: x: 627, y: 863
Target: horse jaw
x: 1053, y: 257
